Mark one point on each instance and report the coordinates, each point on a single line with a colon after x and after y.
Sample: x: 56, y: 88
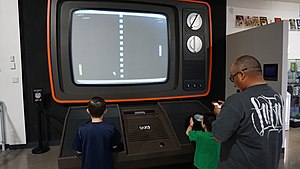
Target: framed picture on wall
x: 255, y: 21
x: 263, y: 20
x: 239, y: 21
x: 277, y: 19
x: 298, y: 24
x: 292, y: 24
x: 247, y: 21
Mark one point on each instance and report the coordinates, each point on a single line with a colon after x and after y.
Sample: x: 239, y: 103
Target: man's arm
x: 227, y: 118
x: 217, y: 110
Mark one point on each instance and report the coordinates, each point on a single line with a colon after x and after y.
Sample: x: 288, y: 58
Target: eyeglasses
x: 231, y: 77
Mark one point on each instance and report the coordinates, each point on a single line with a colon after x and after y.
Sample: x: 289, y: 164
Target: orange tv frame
x: 189, y: 50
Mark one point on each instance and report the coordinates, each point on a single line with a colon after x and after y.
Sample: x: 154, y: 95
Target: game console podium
x: 152, y: 135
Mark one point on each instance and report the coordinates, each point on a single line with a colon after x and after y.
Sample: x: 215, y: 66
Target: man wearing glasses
x: 249, y: 123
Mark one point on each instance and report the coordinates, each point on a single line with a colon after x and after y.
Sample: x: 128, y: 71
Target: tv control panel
x: 195, y: 63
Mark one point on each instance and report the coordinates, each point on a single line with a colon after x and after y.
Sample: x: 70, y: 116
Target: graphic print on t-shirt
x: 267, y: 114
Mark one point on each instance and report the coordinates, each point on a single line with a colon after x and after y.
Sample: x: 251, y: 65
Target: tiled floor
x: 291, y: 157
x: 24, y: 159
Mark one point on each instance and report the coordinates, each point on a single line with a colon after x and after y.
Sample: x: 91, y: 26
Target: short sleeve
x: 228, y: 121
x: 194, y: 135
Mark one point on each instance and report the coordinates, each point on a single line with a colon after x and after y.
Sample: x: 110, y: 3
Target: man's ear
x: 243, y: 75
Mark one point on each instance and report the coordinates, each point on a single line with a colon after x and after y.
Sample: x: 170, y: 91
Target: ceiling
x: 293, y: 1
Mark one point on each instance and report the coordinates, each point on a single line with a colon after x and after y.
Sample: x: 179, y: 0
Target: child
x: 207, y: 149
x: 94, y: 140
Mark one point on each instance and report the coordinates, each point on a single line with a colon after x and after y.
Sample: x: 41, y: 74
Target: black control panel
x: 195, y: 49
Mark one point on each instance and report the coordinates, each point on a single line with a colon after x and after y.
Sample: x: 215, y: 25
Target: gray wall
x: 268, y: 43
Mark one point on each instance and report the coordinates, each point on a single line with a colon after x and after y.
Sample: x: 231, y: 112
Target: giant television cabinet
x: 149, y: 59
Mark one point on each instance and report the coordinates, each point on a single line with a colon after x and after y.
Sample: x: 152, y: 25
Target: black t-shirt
x: 95, y: 141
x: 249, y: 127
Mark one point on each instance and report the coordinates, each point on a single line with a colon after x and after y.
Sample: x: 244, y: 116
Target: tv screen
x: 127, y: 51
x: 117, y: 47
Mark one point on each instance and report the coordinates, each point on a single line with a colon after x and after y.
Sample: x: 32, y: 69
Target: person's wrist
x: 191, y: 126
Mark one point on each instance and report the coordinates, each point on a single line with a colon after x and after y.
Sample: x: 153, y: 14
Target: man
x: 249, y: 123
x: 94, y: 140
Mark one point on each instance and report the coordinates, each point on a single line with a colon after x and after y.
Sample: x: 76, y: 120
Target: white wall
x: 294, y: 45
x: 270, y: 9
x: 11, y: 91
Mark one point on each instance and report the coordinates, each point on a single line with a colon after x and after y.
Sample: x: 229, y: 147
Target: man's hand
x: 217, y: 109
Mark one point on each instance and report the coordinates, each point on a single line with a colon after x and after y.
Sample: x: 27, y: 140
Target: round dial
x: 194, y: 44
x: 194, y: 21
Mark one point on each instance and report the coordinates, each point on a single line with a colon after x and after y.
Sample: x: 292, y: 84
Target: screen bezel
x: 172, y: 90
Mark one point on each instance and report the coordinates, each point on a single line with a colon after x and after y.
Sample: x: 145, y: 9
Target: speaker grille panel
x: 145, y: 129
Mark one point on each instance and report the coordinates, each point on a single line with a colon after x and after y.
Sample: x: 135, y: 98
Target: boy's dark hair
x: 207, y: 120
x: 96, y: 106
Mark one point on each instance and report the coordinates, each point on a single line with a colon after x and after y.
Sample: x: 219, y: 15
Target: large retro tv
x: 129, y: 50
x: 149, y: 59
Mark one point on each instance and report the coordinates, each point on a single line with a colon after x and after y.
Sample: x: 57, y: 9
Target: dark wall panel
x: 35, y: 72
